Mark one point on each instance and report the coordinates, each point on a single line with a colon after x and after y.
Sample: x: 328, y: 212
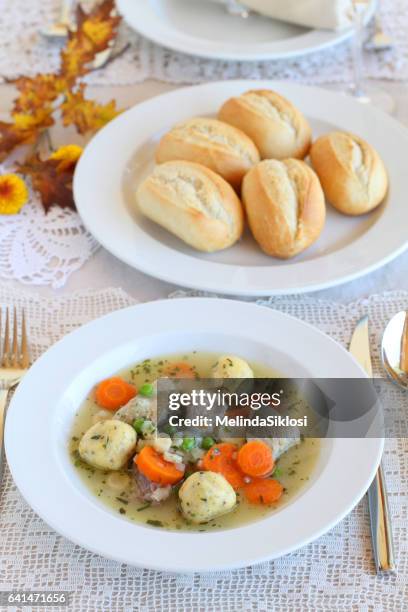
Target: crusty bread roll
x: 285, y: 206
x: 194, y: 203
x: 277, y: 128
x: 212, y: 143
x: 351, y: 172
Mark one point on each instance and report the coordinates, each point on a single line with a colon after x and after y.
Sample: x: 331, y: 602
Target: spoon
x: 60, y: 28
x: 394, y: 349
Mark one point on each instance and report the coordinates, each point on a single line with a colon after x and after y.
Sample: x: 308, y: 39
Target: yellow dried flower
x: 13, y: 194
x: 67, y: 155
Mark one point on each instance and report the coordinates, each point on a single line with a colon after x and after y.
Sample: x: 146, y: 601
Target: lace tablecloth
x: 27, y: 52
x: 335, y: 573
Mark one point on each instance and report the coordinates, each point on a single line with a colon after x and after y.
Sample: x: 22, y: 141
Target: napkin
x: 329, y: 14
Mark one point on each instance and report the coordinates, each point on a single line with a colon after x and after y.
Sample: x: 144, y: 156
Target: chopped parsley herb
x: 143, y: 507
x: 154, y: 523
x: 122, y: 500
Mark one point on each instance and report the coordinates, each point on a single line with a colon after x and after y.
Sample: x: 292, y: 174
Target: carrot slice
x: 113, y: 393
x: 152, y: 465
x: 180, y: 370
x: 221, y: 458
x: 255, y: 458
x: 263, y: 491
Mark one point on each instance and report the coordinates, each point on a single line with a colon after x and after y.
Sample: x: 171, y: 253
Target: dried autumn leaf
x: 86, y: 115
x: 100, y: 25
x: 53, y: 186
x: 36, y: 120
x: 12, y: 137
x: 76, y: 55
x: 31, y: 114
x: 36, y: 92
x: 93, y: 34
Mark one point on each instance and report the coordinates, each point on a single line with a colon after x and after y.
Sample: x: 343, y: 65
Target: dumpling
x: 108, y: 445
x: 230, y: 366
x: 206, y: 495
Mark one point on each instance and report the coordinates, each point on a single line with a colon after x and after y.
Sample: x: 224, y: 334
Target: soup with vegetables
x: 170, y: 481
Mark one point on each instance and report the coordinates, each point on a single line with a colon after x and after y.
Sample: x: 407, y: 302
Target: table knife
x: 381, y: 532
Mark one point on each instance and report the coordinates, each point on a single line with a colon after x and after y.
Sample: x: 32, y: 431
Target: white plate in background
x: 120, y: 156
x: 40, y: 417
x: 203, y: 28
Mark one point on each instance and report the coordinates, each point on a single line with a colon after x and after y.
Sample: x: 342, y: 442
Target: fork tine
x: 14, y: 350
x: 25, y: 353
x: 6, y: 343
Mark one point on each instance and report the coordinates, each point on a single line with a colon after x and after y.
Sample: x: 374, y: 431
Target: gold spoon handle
x: 381, y: 533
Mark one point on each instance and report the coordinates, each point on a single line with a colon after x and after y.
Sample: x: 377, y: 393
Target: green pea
x: 207, y: 443
x: 147, y: 390
x: 169, y: 429
x: 138, y: 425
x: 188, y: 444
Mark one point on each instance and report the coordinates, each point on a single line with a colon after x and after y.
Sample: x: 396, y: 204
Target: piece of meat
x: 138, y: 407
x: 149, y: 491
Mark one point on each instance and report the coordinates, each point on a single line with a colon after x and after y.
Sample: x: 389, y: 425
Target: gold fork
x: 14, y: 362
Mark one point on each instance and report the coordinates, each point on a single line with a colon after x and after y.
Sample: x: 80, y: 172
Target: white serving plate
x: 41, y: 414
x: 203, y: 28
x: 121, y: 155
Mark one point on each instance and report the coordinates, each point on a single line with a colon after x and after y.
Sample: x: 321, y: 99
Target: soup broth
x: 293, y: 468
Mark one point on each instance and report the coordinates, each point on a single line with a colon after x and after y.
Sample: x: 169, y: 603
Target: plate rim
x: 313, y: 40
x: 235, y: 287
x: 119, y: 318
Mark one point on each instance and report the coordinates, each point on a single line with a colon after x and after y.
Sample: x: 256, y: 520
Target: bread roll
x: 212, y: 143
x: 277, y: 128
x: 194, y: 203
x: 351, y: 172
x: 285, y: 206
